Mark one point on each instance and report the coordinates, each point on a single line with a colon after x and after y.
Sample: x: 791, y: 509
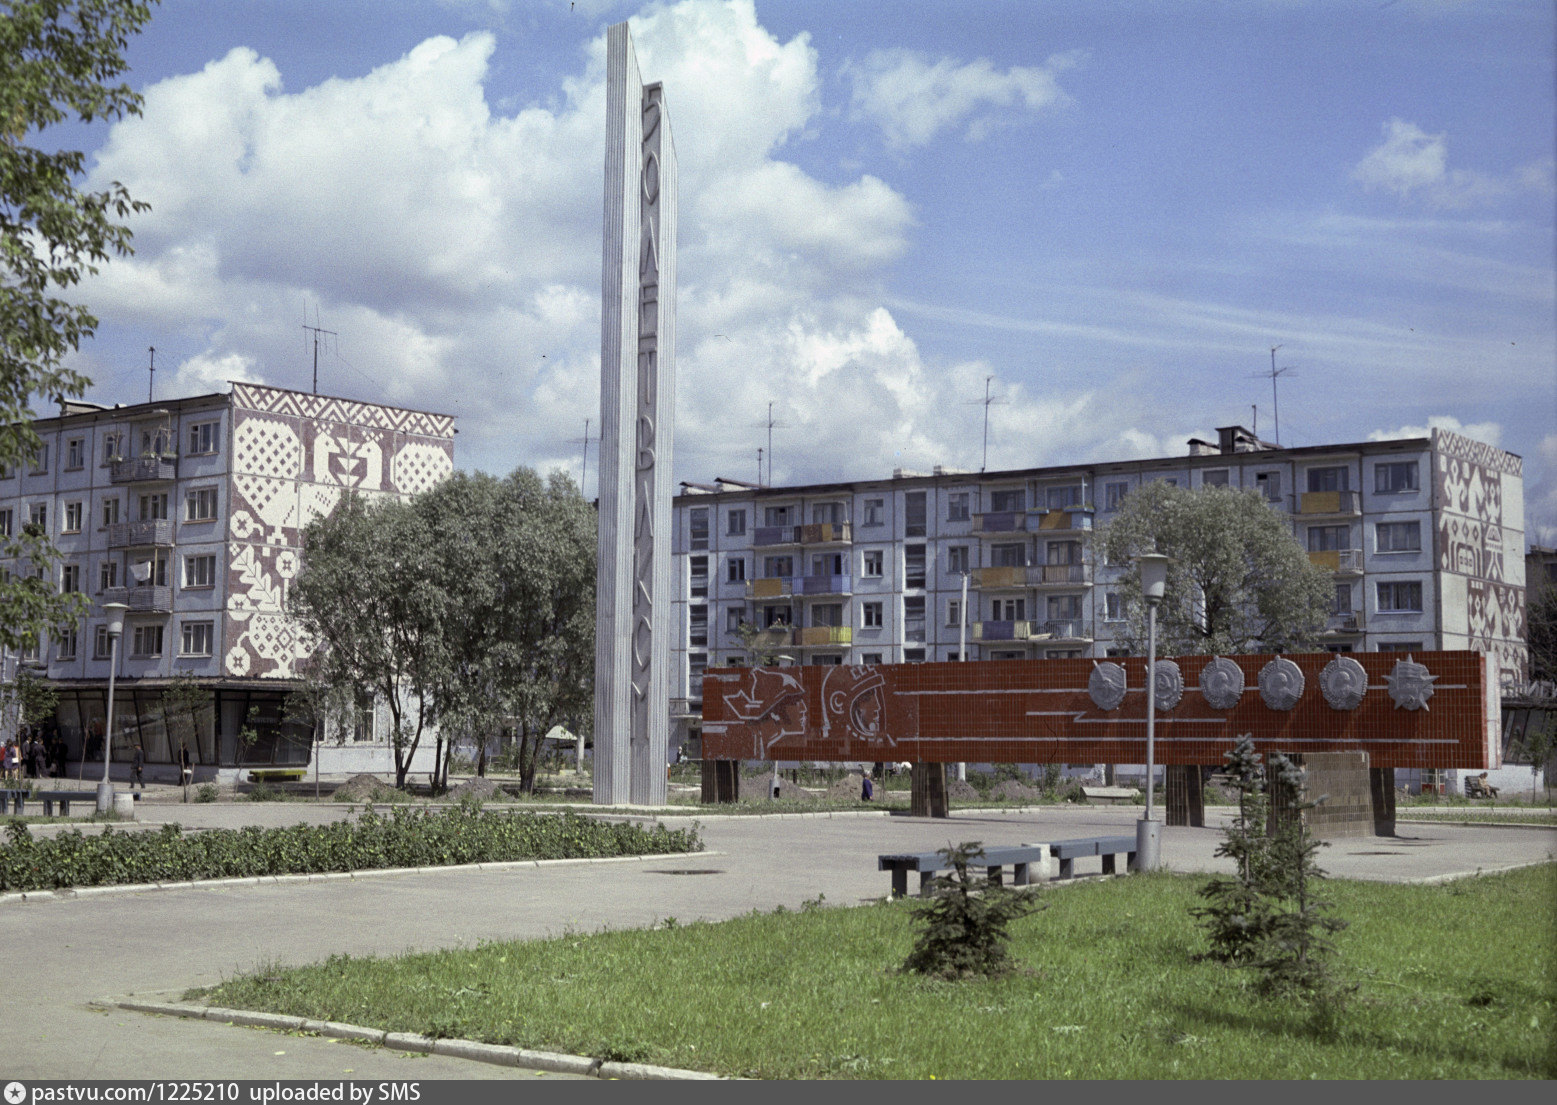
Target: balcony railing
x: 1002, y: 630
x: 1330, y: 502
x: 775, y: 535
x: 1065, y: 629
x: 1050, y: 521
x: 775, y: 587
x: 1344, y: 623
x: 1007, y: 576
x: 142, y: 469
x: 826, y: 533
x: 154, y: 600
x: 1000, y: 521
x: 158, y: 531
x: 821, y: 585
x: 1062, y: 573
x: 1340, y: 561
x: 823, y: 635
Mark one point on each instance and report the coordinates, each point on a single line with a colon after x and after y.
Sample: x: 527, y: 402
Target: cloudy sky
x: 1108, y: 212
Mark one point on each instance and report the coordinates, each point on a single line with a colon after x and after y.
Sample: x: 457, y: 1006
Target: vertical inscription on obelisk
x: 648, y: 412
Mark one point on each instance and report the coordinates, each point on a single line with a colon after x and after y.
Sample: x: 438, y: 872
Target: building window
x: 875, y: 512
x: 1007, y: 501
x: 197, y: 638
x: 1063, y: 498
x: 1062, y: 654
x: 1214, y: 477
x: 913, y: 618
x: 913, y: 656
x: 697, y: 626
x: 108, y: 576
x: 913, y: 566
x: 775, y: 516
x: 69, y: 578
x: 698, y: 522
x: 75, y: 453
x: 155, y: 443
x: 778, y: 567
x: 1007, y: 610
x: 1395, y: 476
x: 828, y: 564
x: 110, y: 512
x: 200, y: 505
x: 823, y: 514
x: 872, y: 615
x: 957, y: 560
x: 203, y: 437
x: 113, y: 447
x: 146, y: 641
x: 1343, y: 599
x: 733, y: 620
x: 1064, y: 607
x: 697, y: 664
x: 72, y: 523
x: 101, y: 643
x: 1400, y: 646
x: 151, y: 573
x: 1398, y: 537
x: 872, y: 563
x: 7, y: 522
x: 870, y: 657
x: 914, y: 514
x: 1008, y: 555
x: 38, y: 515
x: 827, y: 615
x: 1334, y: 478
x: 735, y: 569
x: 1269, y: 485
x: 735, y: 523
x: 1401, y: 597
x: 1114, y: 493
x: 200, y: 571
x: 1113, y: 607
x: 776, y: 615
x: 66, y: 644
x: 40, y: 461
x: 957, y: 506
x: 698, y: 570
x: 154, y: 508
x: 954, y: 612
x: 1064, y: 552
x: 1327, y: 538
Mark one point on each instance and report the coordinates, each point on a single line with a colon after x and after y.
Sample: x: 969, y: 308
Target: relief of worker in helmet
x: 854, y: 708
x: 771, y: 707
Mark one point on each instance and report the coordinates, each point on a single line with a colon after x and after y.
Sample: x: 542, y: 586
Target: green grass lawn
x: 1453, y: 981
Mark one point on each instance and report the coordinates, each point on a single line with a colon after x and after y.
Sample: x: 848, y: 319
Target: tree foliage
x: 471, y: 606
x: 1238, y: 911
x: 1239, y: 581
x: 60, y: 60
x: 965, y: 925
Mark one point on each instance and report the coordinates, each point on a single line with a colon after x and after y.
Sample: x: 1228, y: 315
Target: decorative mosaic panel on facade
x: 1468, y: 488
x: 1428, y: 710
x: 293, y: 456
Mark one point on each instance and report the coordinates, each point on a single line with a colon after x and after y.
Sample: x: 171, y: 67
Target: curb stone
x: 497, y: 1054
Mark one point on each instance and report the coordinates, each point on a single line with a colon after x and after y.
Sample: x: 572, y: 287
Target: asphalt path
x: 65, y: 952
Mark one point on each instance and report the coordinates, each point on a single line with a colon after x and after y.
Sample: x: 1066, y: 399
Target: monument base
x: 1343, y: 779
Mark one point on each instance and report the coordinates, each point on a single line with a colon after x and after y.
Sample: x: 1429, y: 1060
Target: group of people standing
x: 34, y: 755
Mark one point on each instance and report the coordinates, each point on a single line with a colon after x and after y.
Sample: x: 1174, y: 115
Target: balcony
x: 820, y: 585
x: 1343, y: 562
x: 143, y: 469
x: 1005, y: 577
x: 1001, y: 522
x: 822, y: 635
x: 1062, y: 575
x: 775, y: 587
x: 1002, y: 631
x: 129, y: 535
x: 772, y: 536
x: 1332, y: 504
x: 1064, y: 521
x: 1340, y: 625
x: 142, y: 600
x: 826, y: 533
x: 1068, y: 629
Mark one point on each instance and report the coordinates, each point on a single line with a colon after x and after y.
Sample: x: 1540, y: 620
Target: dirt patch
x: 479, y: 787
x: 1013, y: 791
x: 363, y: 788
x: 759, y: 790
x: 960, y: 790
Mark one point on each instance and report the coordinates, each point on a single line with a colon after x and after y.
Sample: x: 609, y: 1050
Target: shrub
x: 206, y: 792
x: 964, y: 924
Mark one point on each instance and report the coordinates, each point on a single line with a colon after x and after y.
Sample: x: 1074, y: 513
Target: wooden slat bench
x: 278, y: 774
x: 1069, y: 851
x: 992, y: 860
x: 20, y: 798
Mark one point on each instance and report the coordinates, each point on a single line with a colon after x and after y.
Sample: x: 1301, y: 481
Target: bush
x: 406, y: 838
x: 206, y: 792
x: 964, y: 924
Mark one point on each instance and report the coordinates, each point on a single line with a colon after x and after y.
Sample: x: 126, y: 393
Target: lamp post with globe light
x: 1148, y: 830
x: 115, y: 612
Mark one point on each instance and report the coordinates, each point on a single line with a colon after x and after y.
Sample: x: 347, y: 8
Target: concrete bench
x: 19, y: 799
x: 1110, y: 795
x: 1069, y: 851
x: 992, y: 860
x: 278, y: 774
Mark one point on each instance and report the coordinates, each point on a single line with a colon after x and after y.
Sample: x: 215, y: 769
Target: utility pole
x: 759, y: 466
x: 585, y: 474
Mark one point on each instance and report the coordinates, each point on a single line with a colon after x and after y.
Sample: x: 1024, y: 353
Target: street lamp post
x: 115, y: 612
x: 1148, y: 830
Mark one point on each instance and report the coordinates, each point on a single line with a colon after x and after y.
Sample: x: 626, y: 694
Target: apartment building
x: 191, y: 512
x: 1423, y: 537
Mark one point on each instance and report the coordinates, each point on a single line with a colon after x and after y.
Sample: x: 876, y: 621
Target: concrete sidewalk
x: 65, y: 952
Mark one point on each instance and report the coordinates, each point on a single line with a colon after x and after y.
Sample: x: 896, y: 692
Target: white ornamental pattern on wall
x: 325, y: 408
x: 418, y: 467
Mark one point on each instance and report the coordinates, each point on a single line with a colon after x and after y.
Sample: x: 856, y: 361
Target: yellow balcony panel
x: 824, y: 635
x: 1005, y: 576
x: 767, y: 588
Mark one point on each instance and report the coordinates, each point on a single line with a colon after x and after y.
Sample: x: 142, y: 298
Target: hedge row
x: 405, y: 838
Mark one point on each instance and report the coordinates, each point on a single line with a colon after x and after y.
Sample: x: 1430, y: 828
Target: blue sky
x: 1114, y: 210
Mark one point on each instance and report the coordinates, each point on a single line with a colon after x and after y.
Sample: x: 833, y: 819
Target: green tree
x: 60, y: 60
x: 1239, y: 581
x: 964, y: 928
x: 369, y: 597
x: 1239, y: 910
x: 1540, y: 737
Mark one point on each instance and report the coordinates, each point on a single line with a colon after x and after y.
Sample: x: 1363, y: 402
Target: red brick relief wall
x: 1433, y: 709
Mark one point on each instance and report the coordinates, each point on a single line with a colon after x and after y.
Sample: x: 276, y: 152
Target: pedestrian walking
x: 137, y: 767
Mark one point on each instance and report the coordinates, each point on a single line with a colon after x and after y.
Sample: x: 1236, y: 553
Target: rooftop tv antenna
x: 1274, y: 399
x: 988, y: 401
x: 151, y: 384
x: 316, y: 331
x: 584, y: 475
x: 771, y: 425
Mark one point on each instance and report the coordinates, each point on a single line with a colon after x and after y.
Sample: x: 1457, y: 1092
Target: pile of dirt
x: 1013, y: 791
x: 847, y: 787
x: 959, y: 790
x: 478, y: 787
x: 363, y: 788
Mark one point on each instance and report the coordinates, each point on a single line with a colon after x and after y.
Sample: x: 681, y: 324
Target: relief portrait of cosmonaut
x: 854, y: 709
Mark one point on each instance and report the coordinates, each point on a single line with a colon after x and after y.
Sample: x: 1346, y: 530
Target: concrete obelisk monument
x: 637, y: 404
